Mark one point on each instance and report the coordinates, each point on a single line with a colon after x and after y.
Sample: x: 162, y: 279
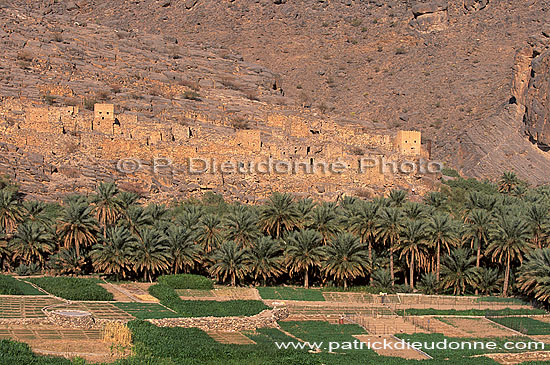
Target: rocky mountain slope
x: 448, y: 69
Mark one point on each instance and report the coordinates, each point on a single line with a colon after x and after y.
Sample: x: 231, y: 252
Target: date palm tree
x: 345, y: 258
x: 76, y: 226
x: 441, y: 233
x: 397, y: 198
x: 31, y: 243
x: 534, y: 276
x: 508, y: 182
x: 488, y: 281
x: 381, y: 278
x: 67, y: 262
x: 265, y: 259
x: 458, y: 271
x: 125, y: 200
x: 363, y: 224
x: 137, y: 219
x: 304, y: 251
x: 305, y: 211
x: 414, y: 211
x: 428, y: 283
x: 11, y: 211
x: 539, y: 222
x: 151, y: 253
x: 413, y: 245
x: 279, y: 216
x: 478, y: 225
x: 388, y: 229
x: 160, y: 215
x: 509, y: 241
x: 230, y: 261
x: 113, y: 256
x: 5, y: 251
x: 185, y: 252
x: 106, y: 206
x: 190, y: 217
x: 436, y: 200
x: 35, y: 211
x: 210, y: 233
x: 241, y: 227
x: 325, y: 220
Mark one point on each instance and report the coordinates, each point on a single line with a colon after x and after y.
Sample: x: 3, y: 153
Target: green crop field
x: 12, y: 286
x: 73, y: 288
x: 528, y: 326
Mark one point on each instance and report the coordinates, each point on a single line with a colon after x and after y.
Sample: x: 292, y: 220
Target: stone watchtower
x: 104, y: 118
x: 408, y: 143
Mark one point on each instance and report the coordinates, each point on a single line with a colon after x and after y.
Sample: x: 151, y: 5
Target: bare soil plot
x: 543, y: 319
x: 25, y: 306
x: 100, y: 310
x: 297, y: 309
x: 49, y: 339
x: 235, y: 338
x: 118, y: 295
x: 479, y: 327
x: 314, y: 317
x: 433, y: 325
x: 219, y: 294
x: 518, y: 358
x: 48, y: 332
x: 405, y: 353
x: 139, y: 291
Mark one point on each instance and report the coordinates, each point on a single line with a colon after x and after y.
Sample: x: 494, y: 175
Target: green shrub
x: 73, y: 288
x: 11, y: 286
x: 205, y: 308
x: 186, y: 281
x: 12, y: 352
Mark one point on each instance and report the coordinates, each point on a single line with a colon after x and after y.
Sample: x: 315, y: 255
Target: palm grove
x: 468, y: 237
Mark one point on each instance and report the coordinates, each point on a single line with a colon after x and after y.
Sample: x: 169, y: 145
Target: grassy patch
x: 12, y: 352
x: 317, y: 331
x: 467, y: 347
x: 146, y: 310
x: 205, y: 308
x: 528, y: 326
x: 287, y: 293
x: 186, y: 281
x: 193, y: 346
x: 500, y: 300
x: 73, y: 288
x: 12, y: 286
x: 471, y: 312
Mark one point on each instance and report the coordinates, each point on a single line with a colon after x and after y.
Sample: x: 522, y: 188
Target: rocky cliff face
x: 531, y: 88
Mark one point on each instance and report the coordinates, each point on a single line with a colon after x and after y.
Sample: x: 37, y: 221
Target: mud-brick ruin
x: 62, y: 149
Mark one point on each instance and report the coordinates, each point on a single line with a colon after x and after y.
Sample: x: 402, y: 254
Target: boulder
x: 430, y: 17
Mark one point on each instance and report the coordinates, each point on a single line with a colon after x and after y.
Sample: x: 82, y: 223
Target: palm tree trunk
x: 345, y: 283
x: 438, y: 260
x: 506, y: 276
x: 411, y: 270
x: 370, y: 260
x: 306, y: 278
x: 233, y: 279
x: 392, y: 275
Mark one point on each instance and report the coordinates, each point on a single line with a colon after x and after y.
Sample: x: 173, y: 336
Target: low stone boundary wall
x: 267, y: 318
